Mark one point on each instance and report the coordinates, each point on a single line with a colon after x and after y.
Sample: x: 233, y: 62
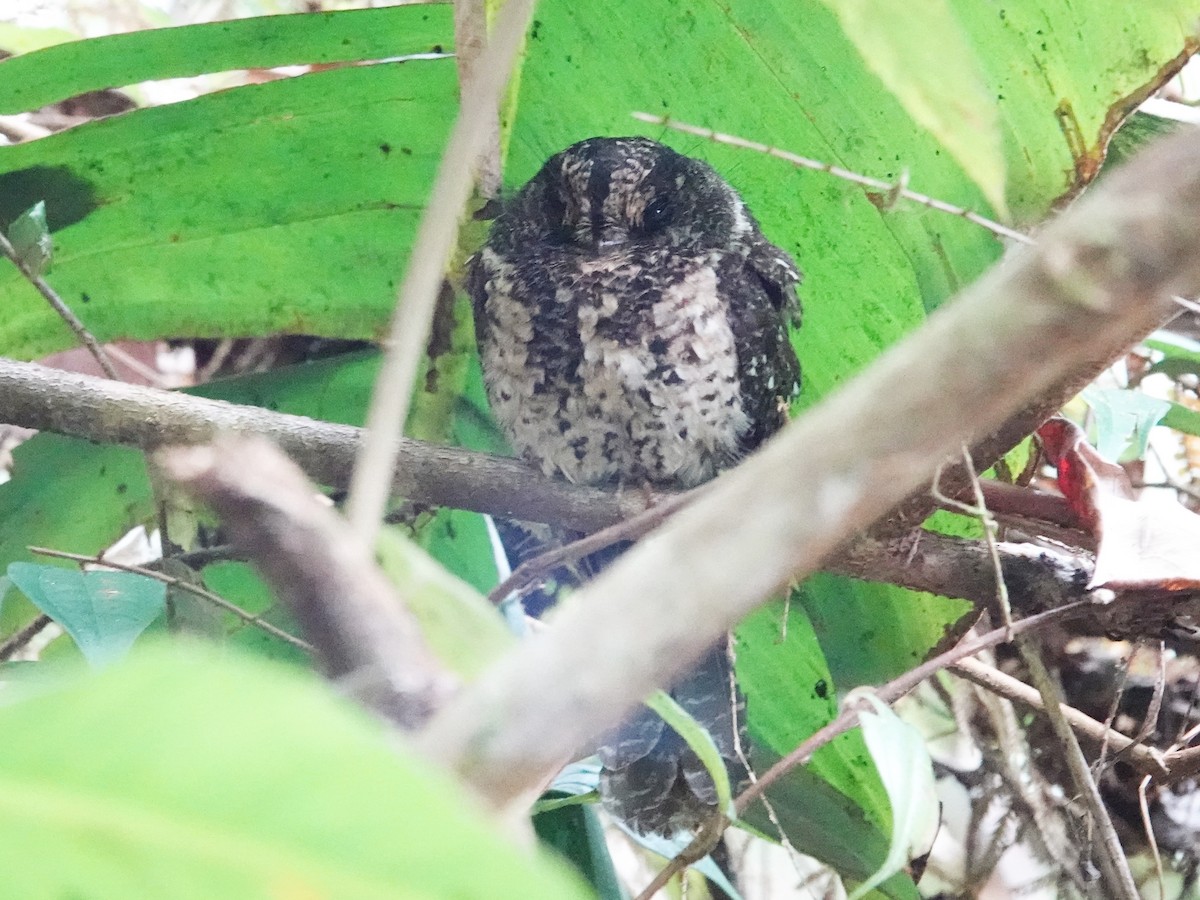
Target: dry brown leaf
x: 1148, y: 542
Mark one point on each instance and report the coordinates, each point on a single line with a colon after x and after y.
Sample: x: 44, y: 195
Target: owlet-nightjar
x: 632, y: 323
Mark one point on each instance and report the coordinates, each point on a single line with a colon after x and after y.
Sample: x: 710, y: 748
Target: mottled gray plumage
x: 632, y: 324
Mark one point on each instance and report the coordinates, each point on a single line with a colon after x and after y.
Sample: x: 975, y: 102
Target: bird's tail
x: 650, y: 778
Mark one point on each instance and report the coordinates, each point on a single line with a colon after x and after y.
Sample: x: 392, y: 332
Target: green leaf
x: 464, y: 630
x: 241, y: 585
x: 47, y: 76
x: 1182, y: 419
x: 907, y: 772
x: 1181, y: 355
x: 31, y: 239
x: 836, y: 834
x: 103, y: 611
x: 921, y: 54
x: 176, y: 775
x: 576, y: 833
x: 285, y: 206
x: 459, y: 540
x: 699, y: 740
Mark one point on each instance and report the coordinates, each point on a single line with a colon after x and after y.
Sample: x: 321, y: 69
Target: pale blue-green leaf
x: 1123, y: 421
x: 103, y: 611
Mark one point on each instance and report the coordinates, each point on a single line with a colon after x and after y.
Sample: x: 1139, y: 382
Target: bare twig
x: 51, y: 400
x: 706, y: 838
x: 1118, y: 881
x: 363, y: 634
x: 1143, y: 758
x: 470, y: 42
x: 1148, y: 827
x: 105, y: 411
x: 889, y: 189
x: 370, y: 485
x: 178, y: 583
x: 18, y: 640
x: 59, y: 306
x: 543, y: 564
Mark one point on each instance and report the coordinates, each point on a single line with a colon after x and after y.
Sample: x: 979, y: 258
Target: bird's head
x: 604, y: 195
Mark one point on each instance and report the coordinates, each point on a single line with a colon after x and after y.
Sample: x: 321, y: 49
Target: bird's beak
x: 609, y: 238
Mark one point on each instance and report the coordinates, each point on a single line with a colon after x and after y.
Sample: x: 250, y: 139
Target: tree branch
x: 98, y: 410
x: 348, y: 608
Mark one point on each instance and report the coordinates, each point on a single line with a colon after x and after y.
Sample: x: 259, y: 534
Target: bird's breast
x: 618, y: 371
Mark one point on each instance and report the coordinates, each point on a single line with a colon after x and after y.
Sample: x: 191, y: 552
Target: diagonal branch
x: 1101, y: 277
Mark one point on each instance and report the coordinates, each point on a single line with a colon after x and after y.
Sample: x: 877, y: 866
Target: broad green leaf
x: 872, y: 632
x: 285, y: 206
x: 52, y: 74
x: 30, y: 239
x: 104, y: 612
x: 791, y: 693
x: 176, y: 775
x: 835, y: 807
x: 462, y: 628
x: 240, y: 584
x: 907, y: 772
x: 576, y: 833
x: 920, y: 53
x: 837, y: 835
x: 459, y: 540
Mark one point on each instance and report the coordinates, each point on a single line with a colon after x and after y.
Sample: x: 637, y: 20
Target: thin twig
x: 10, y: 647
x: 537, y: 568
x: 986, y: 521
x: 889, y: 189
x: 706, y: 838
x: 991, y: 678
x: 370, y: 485
x: 185, y: 586
x: 890, y: 693
x: 1114, y: 867
x: 59, y: 306
x: 1148, y: 826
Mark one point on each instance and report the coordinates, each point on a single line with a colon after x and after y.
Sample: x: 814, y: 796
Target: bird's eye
x: 657, y: 214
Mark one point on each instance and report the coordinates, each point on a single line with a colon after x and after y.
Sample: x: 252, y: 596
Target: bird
x: 633, y: 325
